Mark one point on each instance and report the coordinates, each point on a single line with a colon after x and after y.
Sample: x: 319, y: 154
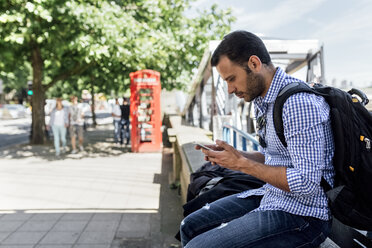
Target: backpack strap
x: 282, y: 97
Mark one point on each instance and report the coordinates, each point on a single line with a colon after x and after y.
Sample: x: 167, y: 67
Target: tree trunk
x: 38, y: 98
x: 93, y: 106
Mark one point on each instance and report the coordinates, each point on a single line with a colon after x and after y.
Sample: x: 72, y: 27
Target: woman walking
x: 59, y: 122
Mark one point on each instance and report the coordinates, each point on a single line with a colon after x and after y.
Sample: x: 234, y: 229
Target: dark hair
x: 239, y: 46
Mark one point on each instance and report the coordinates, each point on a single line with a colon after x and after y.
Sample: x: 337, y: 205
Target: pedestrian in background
x: 116, y: 115
x: 59, y: 122
x: 76, y: 118
x: 124, y: 122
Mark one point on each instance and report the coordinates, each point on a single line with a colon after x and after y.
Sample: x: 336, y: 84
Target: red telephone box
x: 145, y: 111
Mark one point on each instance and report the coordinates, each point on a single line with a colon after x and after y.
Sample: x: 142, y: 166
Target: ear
x: 254, y: 63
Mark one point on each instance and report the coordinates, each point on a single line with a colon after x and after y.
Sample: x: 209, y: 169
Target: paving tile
x: 95, y: 226
x: 92, y: 246
x: 76, y: 216
x: 134, y: 226
x: 16, y: 217
x: 96, y: 238
x: 136, y: 217
x: 10, y: 226
x: 47, y: 216
x: 4, y: 235
x: 106, y: 216
x: 17, y: 246
x: 70, y: 226
x: 60, y: 238
x: 53, y: 246
x: 23, y: 238
x: 36, y: 225
x: 135, y: 243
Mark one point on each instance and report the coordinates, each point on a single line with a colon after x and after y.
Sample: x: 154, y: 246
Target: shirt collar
x: 276, y: 84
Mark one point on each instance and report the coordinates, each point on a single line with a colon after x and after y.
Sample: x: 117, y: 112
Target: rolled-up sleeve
x: 304, y: 122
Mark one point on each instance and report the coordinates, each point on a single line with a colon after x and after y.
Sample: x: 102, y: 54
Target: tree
x: 72, y: 40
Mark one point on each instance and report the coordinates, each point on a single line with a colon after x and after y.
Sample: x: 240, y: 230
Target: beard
x: 255, y: 86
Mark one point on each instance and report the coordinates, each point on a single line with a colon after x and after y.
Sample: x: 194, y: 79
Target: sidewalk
x: 102, y: 197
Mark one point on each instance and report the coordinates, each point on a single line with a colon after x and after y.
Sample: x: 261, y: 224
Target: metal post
x: 234, y: 138
x: 244, y: 144
x: 322, y: 71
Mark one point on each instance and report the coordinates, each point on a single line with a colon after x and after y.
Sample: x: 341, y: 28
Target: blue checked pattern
x: 308, y: 156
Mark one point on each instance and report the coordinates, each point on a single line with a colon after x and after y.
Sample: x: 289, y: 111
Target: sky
x: 344, y: 27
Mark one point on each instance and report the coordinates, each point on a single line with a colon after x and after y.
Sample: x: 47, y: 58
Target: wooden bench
x: 185, y: 158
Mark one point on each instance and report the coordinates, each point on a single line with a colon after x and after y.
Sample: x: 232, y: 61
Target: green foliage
x: 16, y: 80
x: 101, y: 42
x: 95, y: 44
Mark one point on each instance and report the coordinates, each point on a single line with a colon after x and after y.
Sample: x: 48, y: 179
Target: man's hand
x: 252, y: 164
x: 225, y: 155
x: 213, y: 147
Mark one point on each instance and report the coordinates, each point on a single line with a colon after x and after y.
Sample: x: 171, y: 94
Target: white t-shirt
x: 76, y: 112
x: 59, y: 118
x: 116, y: 111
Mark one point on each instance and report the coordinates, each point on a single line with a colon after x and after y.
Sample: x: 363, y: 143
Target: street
x: 14, y: 131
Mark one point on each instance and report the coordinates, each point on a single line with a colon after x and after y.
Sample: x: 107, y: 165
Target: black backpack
x: 350, y: 200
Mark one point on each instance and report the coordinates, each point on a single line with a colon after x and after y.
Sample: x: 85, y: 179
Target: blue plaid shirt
x: 308, y: 157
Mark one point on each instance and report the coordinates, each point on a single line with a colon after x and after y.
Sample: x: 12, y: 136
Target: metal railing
x: 239, y: 139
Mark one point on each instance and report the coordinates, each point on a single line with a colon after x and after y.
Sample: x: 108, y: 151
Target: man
x: 291, y: 209
x: 76, y: 118
x: 125, y: 133
x: 116, y: 115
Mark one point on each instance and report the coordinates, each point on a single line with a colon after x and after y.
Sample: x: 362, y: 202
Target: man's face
x: 243, y: 84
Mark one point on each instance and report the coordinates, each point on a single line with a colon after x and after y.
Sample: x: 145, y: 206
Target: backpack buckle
x: 368, y: 142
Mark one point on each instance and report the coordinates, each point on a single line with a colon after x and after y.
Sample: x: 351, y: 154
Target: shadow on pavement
x: 120, y: 228
x: 130, y: 228
x: 164, y: 223
x: 98, y: 142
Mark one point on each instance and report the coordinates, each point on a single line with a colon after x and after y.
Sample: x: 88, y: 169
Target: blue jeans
x: 229, y: 222
x: 124, y: 133
x: 116, y: 130
x: 59, y: 132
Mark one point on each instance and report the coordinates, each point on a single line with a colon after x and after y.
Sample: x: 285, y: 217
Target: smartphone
x: 204, y: 147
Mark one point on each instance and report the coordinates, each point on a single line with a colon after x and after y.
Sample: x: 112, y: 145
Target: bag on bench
x: 350, y: 200
x: 212, y: 182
